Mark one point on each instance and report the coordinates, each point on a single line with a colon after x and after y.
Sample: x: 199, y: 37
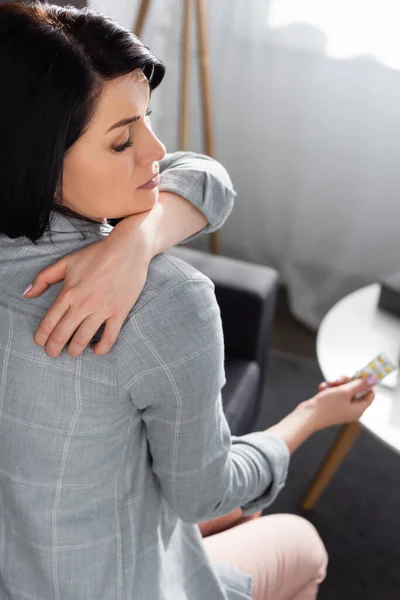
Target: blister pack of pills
x: 380, y: 366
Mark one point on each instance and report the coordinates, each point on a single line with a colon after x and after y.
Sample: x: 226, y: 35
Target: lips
x: 154, y: 182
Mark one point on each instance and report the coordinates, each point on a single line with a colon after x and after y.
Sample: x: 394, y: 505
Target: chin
x: 148, y: 199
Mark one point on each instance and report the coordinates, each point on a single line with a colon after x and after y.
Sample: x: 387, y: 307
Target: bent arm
x: 203, y: 471
x: 196, y: 196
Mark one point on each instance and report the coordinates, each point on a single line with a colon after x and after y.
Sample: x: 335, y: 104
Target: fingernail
x: 372, y: 380
x: 27, y: 289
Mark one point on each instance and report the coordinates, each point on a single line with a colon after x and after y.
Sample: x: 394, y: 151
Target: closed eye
x: 125, y: 146
x: 129, y: 142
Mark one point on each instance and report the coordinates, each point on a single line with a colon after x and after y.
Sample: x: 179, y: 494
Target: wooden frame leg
x: 204, y: 60
x: 185, y: 77
x: 141, y: 17
x: 205, y: 76
x: 341, y: 446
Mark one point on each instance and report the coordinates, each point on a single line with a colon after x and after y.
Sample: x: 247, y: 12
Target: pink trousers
x: 283, y: 553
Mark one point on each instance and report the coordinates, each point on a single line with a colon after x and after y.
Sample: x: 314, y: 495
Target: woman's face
x: 105, y: 169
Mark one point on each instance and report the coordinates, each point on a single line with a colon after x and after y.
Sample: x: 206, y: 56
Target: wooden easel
x: 203, y: 57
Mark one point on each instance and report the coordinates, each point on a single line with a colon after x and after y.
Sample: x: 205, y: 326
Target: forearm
x: 296, y: 427
x: 178, y: 219
x: 171, y: 221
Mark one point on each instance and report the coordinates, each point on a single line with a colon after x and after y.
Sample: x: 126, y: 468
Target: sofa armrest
x: 246, y: 294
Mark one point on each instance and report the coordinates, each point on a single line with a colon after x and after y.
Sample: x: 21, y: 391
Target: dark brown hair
x: 53, y: 62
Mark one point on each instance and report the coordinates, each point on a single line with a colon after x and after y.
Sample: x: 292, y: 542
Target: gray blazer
x: 107, y: 463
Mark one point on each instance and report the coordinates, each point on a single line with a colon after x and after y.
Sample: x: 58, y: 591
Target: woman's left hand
x: 102, y: 282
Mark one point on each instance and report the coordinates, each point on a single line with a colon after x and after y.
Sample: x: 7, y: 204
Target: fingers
x: 52, y: 319
x: 69, y: 325
x: 56, y: 330
x: 52, y: 274
x: 328, y: 384
x: 361, y: 385
x: 60, y: 323
x: 360, y: 406
x: 110, y: 335
x: 341, y: 380
x: 368, y: 398
x: 84, y: 334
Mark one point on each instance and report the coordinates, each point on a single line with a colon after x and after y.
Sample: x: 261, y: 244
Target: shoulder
x: 176, y: 321
x: 171, y: 279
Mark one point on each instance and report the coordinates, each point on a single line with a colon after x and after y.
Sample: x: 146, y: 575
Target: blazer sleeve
x: 204, y: 182
x: 176, y: 343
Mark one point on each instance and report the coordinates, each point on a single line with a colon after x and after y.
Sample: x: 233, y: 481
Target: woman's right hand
x: 335, y: 403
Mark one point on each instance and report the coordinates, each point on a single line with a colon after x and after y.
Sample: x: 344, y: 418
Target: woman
x: 109, y: 459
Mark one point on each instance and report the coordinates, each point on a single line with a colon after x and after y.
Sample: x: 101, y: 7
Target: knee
x: 314, y: 557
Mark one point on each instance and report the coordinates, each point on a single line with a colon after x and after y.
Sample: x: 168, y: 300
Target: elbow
x: 197, y: 513
x: 222, y: 174
x: 220, y: 197
x: 202, y: 504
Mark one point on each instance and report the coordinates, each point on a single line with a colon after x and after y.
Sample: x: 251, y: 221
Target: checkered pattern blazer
x: 107, y: 463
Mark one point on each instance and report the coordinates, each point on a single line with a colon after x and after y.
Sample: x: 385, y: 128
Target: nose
x: 150, y: 149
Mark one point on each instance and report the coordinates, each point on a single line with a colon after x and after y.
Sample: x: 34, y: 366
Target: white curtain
x: 306, y: 97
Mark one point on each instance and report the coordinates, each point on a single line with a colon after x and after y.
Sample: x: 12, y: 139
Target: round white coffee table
x: 352, y: 333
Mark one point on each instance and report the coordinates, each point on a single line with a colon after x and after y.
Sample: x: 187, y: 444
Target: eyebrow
x: 123, y: 122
